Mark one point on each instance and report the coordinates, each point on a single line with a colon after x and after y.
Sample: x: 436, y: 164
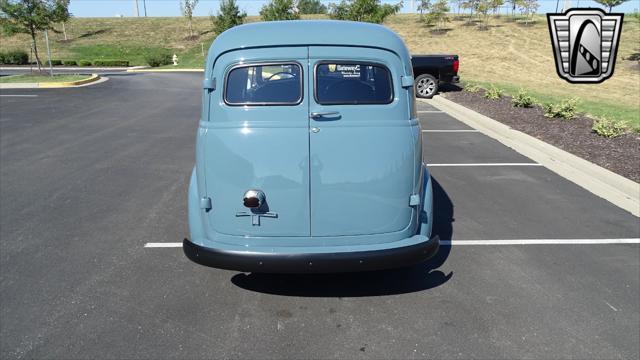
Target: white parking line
x: 163, y: 245
x: 484, y: 242
x: 451, y: 131
x: 10, y: 95
x: 487, y: 164
x: 542, y: 242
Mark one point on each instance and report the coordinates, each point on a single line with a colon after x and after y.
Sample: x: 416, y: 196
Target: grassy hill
x: 508, y: 54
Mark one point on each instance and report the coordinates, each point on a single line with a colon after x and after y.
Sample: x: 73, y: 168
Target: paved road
x: 88, y: 176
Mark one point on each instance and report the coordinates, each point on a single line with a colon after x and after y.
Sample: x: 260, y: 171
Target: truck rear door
x: 257, y: 138
x: 361, y: 156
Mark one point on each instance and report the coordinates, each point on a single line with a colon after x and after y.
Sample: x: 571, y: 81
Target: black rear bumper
x: 312, y: 262
x: 451, y: 79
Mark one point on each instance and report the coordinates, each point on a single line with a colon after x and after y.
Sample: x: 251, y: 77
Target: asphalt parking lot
x: 88, y: 176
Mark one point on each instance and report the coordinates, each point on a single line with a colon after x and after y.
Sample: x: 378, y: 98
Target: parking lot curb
x: 48, y: 85
x: 51, y: 85
x: 151, y: 70
x: 606, y: 184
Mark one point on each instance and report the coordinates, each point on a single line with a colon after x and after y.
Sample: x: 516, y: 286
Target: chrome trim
x: 317, y: 115
x: 255, y: 217
x: 254, y: 194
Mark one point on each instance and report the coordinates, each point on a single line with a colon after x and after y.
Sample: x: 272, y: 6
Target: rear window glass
x: 272, y: 84
x: 353, y: 83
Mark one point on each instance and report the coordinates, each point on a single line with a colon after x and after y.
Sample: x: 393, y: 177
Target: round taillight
x: 253, y: 199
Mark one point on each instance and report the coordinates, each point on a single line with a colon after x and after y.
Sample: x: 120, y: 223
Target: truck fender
x: 196, y: 224
x: 426, y: 215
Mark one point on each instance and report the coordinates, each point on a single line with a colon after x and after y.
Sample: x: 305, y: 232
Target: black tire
x: 426, y: 86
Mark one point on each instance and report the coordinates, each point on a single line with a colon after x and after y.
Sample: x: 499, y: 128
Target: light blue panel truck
x: 309, y: 152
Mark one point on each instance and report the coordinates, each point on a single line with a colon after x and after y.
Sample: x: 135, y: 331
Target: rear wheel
x: 426, y: 86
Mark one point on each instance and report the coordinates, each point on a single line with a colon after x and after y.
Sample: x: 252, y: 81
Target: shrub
x: 564, y: 110
x: 84, y: 63
x: 474, y: 88
x: 608, y: 128
x: 14, y: 58
x: 493, y: 93
x: 110, y: 62
x: 158, y: 59
x: 69, y: 62
x: 522, y: 99
x: 54, y: 62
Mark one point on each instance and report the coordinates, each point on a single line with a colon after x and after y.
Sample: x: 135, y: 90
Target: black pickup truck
x: 430, y: 71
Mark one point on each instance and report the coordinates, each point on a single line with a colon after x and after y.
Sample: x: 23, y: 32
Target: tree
x: 187, y: 7
x: 528, y: 8
x: 458, y: 4
x: 438, y: 13
x: 514, y: 4
x: 472, y: 5
x: 279, y: 10
x: 483, y: 7
x: 31, y: 17
x: 228, y: 16
x: 610, y: 3
x: 495, y: 5
x: 424, y: 5
x: 311, y: 7
x: 363, y: 10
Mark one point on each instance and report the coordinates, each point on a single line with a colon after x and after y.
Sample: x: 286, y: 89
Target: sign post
x: 46, y: 37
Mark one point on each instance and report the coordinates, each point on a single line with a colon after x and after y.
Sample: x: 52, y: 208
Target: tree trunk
x: 65, y: 32
x: 190, y: 29
x: 610, y: 8
x: 35, y: 49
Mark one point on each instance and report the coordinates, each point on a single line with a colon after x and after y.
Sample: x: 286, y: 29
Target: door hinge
x: 407, y: 81
x: 205, y: 203
x: 209, y: 84
x: 414, y: 200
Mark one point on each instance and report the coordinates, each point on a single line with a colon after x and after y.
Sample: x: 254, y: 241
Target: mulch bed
x: 620, y: 155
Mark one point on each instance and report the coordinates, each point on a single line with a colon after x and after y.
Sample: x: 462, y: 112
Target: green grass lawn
x: 31, y: 78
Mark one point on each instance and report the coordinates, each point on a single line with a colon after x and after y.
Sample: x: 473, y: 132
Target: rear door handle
x: 320, y: 115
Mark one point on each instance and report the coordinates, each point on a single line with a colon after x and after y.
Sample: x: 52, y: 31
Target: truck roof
x: 307, y: 33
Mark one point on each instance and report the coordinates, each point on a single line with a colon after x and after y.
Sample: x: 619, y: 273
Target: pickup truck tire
x: 426, y: 86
